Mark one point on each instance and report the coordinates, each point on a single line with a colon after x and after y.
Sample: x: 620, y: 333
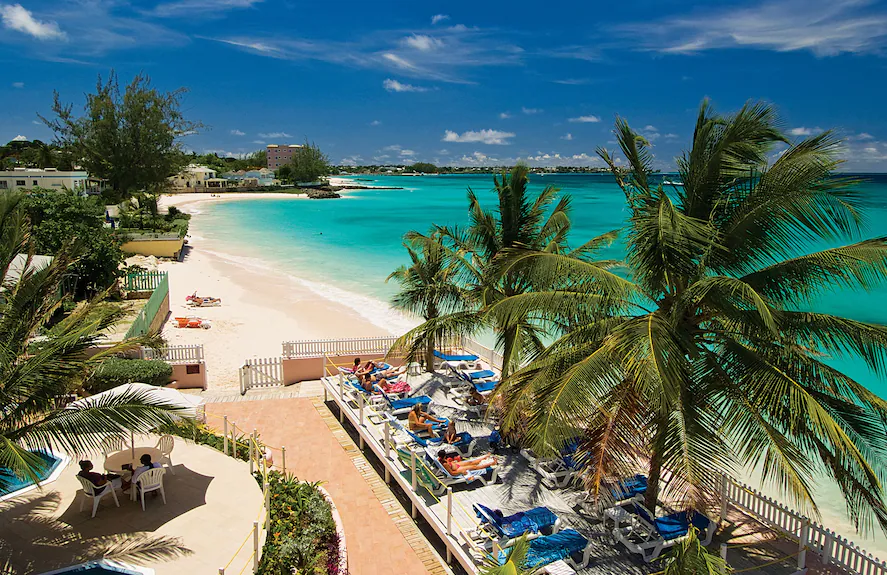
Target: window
x: 19, y: 182
x: 34, y: 183
x: 3, y: 185
x: 192, y: 369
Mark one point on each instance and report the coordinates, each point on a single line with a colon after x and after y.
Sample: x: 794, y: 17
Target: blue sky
x: 459, y: 82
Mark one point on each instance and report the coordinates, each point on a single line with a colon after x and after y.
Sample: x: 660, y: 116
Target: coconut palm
x: 521, y: 221
x: 704, y: 356
x: 428, y: 286
x: 36, y: 371
x: 515, y: 562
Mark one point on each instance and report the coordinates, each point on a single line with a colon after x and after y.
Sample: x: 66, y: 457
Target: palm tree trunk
x: 430, y: 313
x: 654, y: 471
x: 510, y: 355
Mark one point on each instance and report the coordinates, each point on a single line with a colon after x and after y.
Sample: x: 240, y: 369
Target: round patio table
x: 116, y: 460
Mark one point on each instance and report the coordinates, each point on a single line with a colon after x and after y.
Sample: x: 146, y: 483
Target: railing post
x: 283, y: 458
x: 828, y: 548
x: 267, y: 505
x: 225, y: 434
x: 415, y: 480
x: 255, y: 546
x: 234, y: 439
x: 221, y: 571
x: 251, y: 449
x: 341, y: 398
x: 724, y: 551
x: 387, y: 439
x: 723, y: 516
x: 449, y: 515
x: 805, y: 537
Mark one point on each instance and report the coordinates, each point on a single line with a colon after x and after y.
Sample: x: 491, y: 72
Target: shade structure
x: 187, y: 405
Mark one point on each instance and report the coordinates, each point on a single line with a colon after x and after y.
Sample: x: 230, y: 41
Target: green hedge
x: 115, y: 371
x: 302, y: 537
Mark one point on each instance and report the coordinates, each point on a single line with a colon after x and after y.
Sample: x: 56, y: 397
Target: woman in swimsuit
x: 450, y: 436
x: 455, y: 466
x: 418, y: 420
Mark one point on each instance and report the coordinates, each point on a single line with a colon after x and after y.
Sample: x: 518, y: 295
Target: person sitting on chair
x: 99, y: 479
x: 418, y: 420
x: 146, y: 464
x: 451, y: 436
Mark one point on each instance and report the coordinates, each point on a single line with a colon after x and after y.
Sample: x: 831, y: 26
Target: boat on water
x: 671, y: 183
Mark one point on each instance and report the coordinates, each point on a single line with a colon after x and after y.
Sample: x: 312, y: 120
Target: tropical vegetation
x: 131, y: 138
x: 308, y: 164
x: 302, y: 536
x: 702, y: 353
x: 116, y: 371
x: 36, y: 373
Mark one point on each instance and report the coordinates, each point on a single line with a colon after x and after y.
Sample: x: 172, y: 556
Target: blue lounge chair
x: 655, y: 534
x: 451, y: 357
x: 506, y: 528
x: 448, y: 479
x: 485, y: 387
x: 465, y: 445
x: 564, y: 545
x: 484, y: 374
x: 629, y: 488
x: 558, y: 471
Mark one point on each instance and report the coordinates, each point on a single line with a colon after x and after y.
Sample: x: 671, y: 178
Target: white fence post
x: 283, y: 458
x: 267, y: 506
x: 415, y: 480
x: 255, y: 546
x: 805, y: 537
x: 251, y: 449
x: 828, y: 547
x: 225, y: 435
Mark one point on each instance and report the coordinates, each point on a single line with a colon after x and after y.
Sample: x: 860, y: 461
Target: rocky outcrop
x: 322, y: 193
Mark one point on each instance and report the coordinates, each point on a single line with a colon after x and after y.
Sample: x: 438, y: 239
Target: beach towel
x: 396, y: 387
x: 550, y: 548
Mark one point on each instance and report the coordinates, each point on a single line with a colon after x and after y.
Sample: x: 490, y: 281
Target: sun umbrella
x: 186, y: 404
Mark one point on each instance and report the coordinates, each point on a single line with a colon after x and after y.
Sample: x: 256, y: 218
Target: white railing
x: 261, y: 372
x: 493, y: 357
x: 348, y: 346
x: 831, y: 547
x: 175, y: 353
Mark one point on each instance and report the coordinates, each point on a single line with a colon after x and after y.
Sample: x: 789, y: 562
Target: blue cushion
x: 629, y: 487
x: 409, y: 401
x: 448, y: 357
x: 486, y: 386
x: 481, y: 374
x: 550, y: 548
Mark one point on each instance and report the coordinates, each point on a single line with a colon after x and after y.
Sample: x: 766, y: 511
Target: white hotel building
x: 48, y: 178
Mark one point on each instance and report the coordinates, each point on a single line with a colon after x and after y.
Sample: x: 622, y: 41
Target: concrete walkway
x: 381, y: 539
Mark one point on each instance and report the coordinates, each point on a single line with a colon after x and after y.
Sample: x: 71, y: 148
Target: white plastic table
x: 115, y: 461
x: 558, y: 568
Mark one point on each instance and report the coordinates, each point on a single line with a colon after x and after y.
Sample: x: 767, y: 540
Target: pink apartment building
x: 280, y: 154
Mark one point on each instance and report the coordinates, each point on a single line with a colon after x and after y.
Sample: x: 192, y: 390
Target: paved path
x: 381, y: 538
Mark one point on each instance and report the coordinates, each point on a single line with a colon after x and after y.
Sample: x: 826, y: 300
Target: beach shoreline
x: 261, y: 306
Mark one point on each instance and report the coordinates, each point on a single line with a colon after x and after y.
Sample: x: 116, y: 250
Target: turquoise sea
x: 344, y: 249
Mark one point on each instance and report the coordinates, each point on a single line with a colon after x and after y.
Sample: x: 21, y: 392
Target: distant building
x: 192, y: 178
x: 49, y: 178
x: 280, y: 155
x: 251, y: 178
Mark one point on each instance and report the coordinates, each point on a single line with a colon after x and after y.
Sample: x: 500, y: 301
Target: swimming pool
x: 103, y: 567
x: 17, y: 485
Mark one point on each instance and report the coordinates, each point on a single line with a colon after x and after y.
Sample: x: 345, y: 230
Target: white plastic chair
x: 112, y: 444
x: 96, y: 492
x: 151, y: 480
x: 165, y: 446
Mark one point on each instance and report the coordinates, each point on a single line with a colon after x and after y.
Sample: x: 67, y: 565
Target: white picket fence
x: 175, y: 353
x: 348, y: 346
x: 261, y: 372
x: 831, y: 547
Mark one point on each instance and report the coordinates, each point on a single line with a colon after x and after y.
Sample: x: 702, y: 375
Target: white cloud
x: 531, y: 111
x: 865, y: 136
x: 437, y: 18
x: 504, y: 116
x: 237, y: 133
x: 804, y: 131
x: 585, y: 119
x: 37, y: 123
x: 260, y: 142
x: 393, y: 148
x: 395, y: 86
x: 18, y: 84
x: 479, y: 136
x: 443, y: 152
x: 422, y: 42
x: 477, y: 159
x: 381, y: 157
x: 567, y: 137
x: 824, y: 27
x: 573, y: 81
x: 273, y: 135
x: 376, y: 123
x: 671, y: 136
x: 203, y: 7
x: 16, y: 17
x: 407, y: 153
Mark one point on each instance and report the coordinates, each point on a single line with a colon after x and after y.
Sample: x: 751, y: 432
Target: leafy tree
x: 520, y: 221
x: 35, y: 373
x: 424, y: 168
x: 702, y: 358
x: 428, y: 286
x: 308, y: 164
x: 62, y: 220
x: 690, y: 557
x: 130, y: 139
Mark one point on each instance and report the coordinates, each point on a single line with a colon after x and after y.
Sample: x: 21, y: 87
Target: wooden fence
x: 261, y: 372
x: 142, y: 281
x: 175, y: 353
x: 348, y: 346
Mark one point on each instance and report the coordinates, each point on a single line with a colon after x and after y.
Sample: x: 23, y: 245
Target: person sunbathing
x: 392, y: 371
x: 418, y: 420
x: 454, y: 464
x: 451, y: 435
x: 368, y: 367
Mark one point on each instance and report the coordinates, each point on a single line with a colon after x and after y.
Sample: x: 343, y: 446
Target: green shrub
x: 115, y: 371
x: 302, y: 537
x: 201, y: 434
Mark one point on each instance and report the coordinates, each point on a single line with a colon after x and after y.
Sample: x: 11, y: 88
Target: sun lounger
x: 534, y: 522
x: 629, y: 488
x: 567, y: 545
x: 557, y: 471
x: 478, y: 376
x: 453, y: 357
x: 448, y: 479
x: 652, y: 535
x: 465, y: 445
x: 455, y: 362
x: 423, y: 476
x: 403, y: 406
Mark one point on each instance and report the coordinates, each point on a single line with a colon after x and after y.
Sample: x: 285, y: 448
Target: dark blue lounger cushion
x: 485, y: 386
x: 448, y: 357
x: 629, y: 487
x: 517, y: 524
x: 550, y: 548
x: 482, y: 374
x: 409, y: 401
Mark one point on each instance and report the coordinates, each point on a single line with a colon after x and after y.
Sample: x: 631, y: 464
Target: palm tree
x: 515, y: 560
x: 521, y: 221
x: 704, y: 357
x: 428, y: 286
x: 690, y: 557
x: 36, y: 372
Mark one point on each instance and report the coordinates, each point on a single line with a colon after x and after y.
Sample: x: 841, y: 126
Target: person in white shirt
x: 146, y: 464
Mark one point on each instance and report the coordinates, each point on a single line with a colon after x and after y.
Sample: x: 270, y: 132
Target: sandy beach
x: 260, y: 308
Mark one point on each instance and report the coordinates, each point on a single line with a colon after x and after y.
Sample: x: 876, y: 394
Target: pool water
x: 10, y: 482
